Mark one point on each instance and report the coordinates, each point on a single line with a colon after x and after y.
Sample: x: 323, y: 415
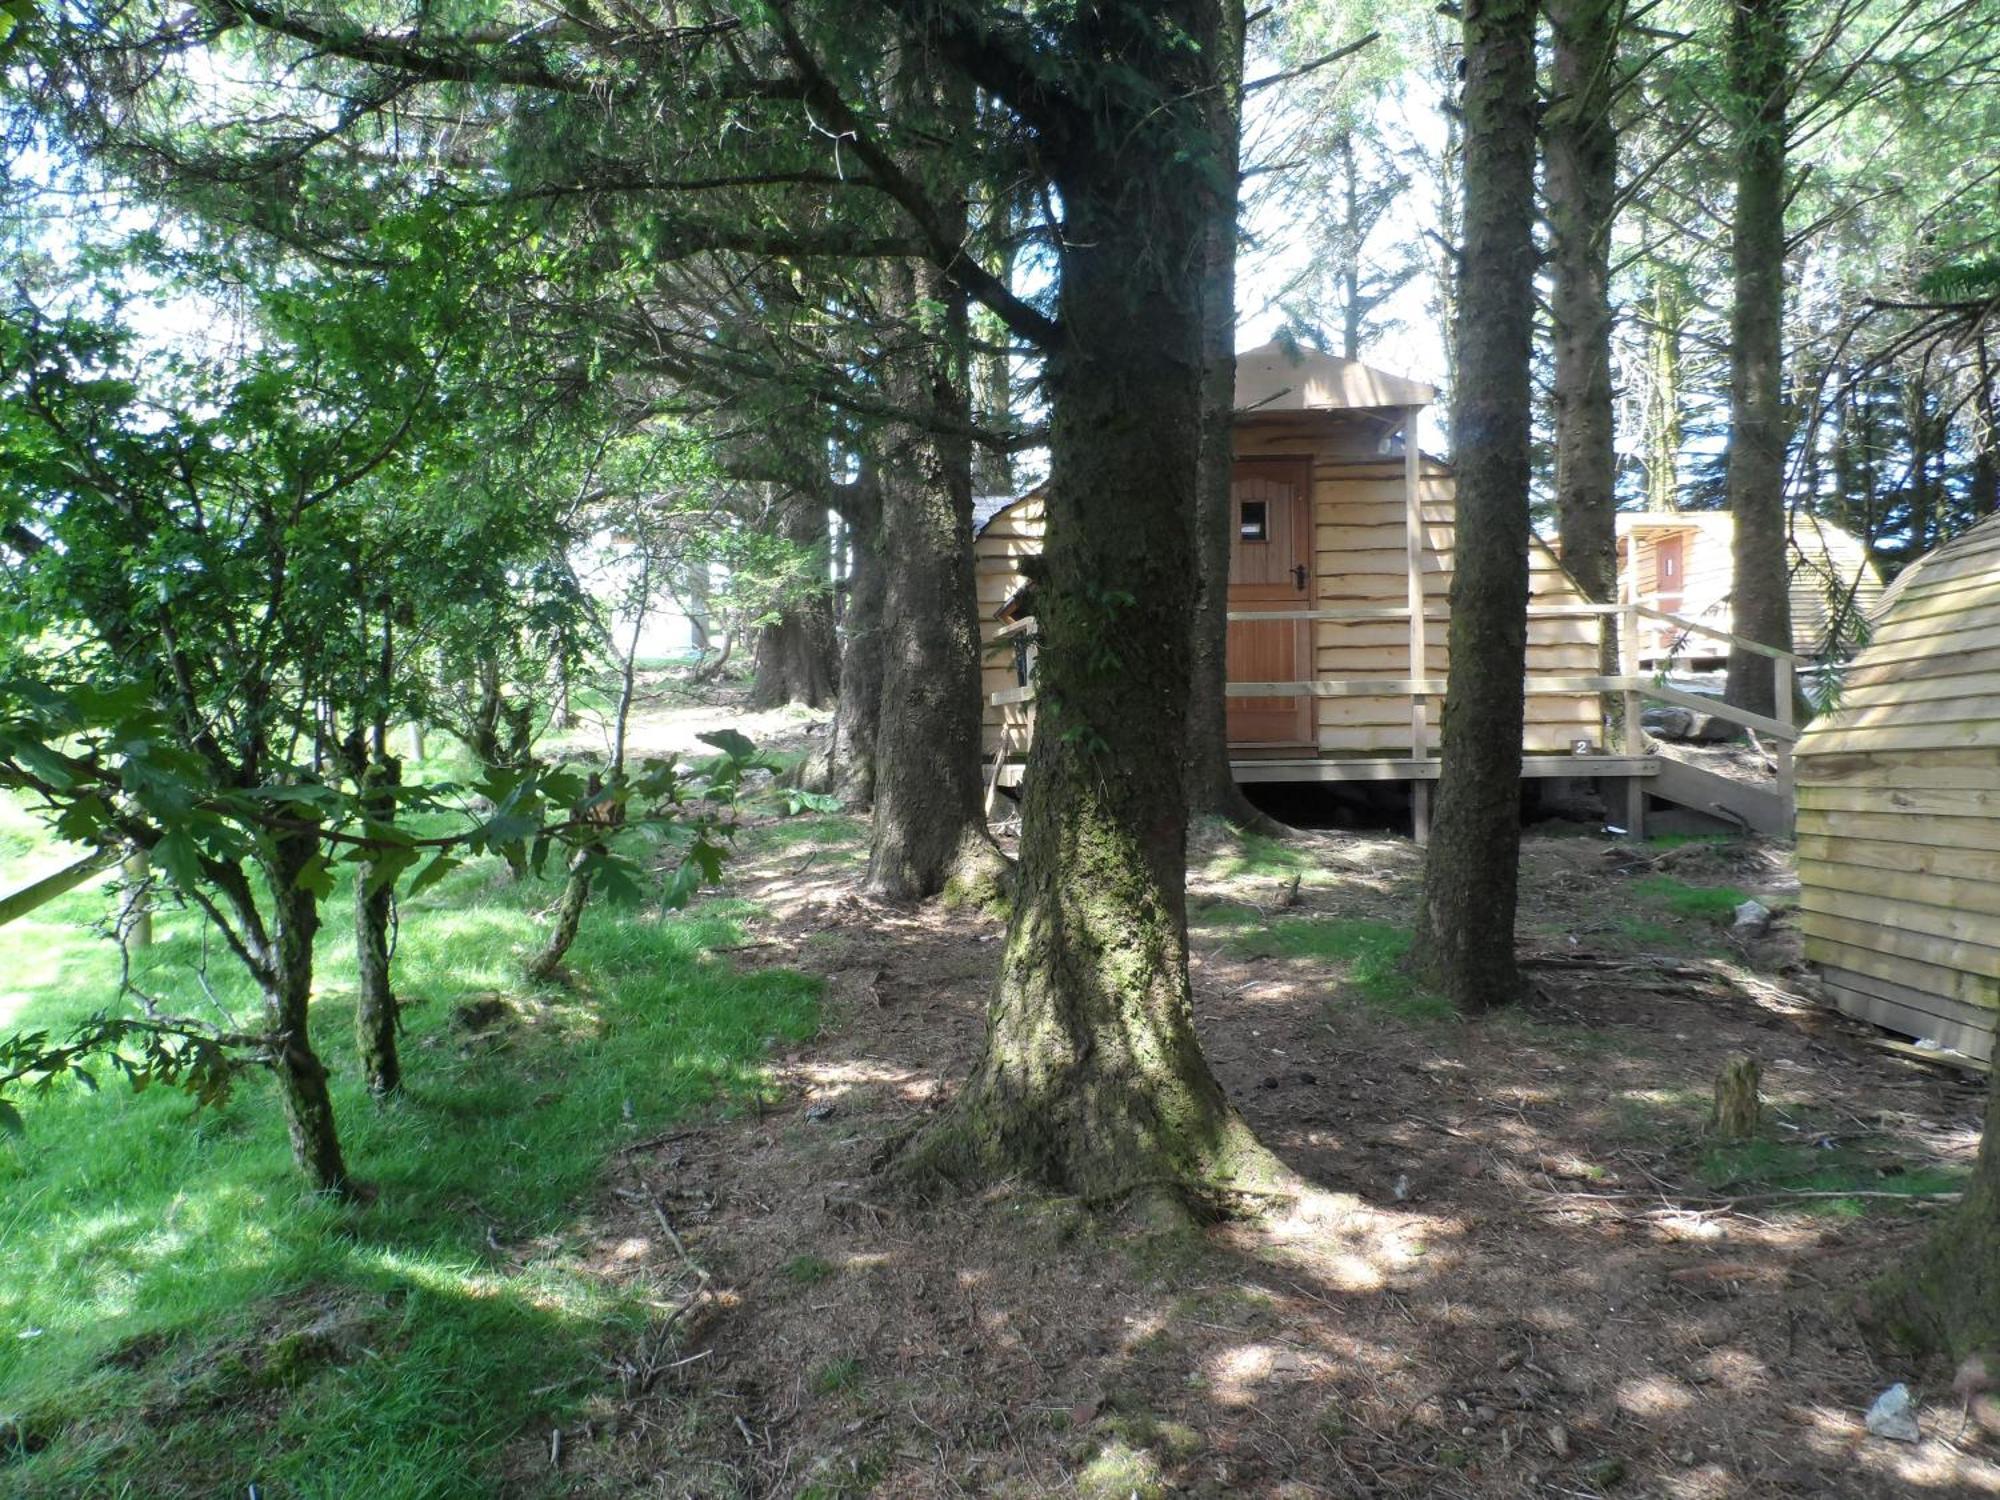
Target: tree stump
x: 1736, y: 1105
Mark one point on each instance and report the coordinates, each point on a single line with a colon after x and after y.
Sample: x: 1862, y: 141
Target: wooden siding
x: 1825, y: 564
x: 1359, y: 560
x: 1899, y: 808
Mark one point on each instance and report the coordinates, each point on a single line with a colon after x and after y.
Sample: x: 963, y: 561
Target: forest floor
x: 631, y: 1239
x: 1552, y: 1282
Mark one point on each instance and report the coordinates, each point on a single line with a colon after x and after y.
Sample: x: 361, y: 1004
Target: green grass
x: 1257, y: 854
x: 1715, y: 903
x: 837, y: 1375
x: 1648, y: 934
x: 1371, y: 954
x: 807, y: 1270
x: 177, y: 1317
x: 1208, y: 915
x: 824, y: 831
x: 1766, y: 1165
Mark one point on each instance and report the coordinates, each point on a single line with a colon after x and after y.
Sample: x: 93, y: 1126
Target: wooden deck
x: 1639, y: 773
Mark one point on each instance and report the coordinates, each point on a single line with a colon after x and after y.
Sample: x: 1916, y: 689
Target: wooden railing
x: 1635, y: 687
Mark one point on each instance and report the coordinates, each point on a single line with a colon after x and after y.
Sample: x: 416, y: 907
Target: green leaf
x: 11, y: 1122
x: 316, y: 876
x: 431, y: 874
x: 177, y: 855
x: 797, y: 800
x: 386, y: 866
x: 731, y: 743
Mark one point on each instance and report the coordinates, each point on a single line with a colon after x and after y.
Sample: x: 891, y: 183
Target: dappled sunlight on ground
x: 1522, y: 1270
x: 1935, y: 1464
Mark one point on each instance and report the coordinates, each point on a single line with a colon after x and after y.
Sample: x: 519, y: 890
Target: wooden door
x: 1669, y: 582
x: 1670, y: 572
x: 1270, y: 568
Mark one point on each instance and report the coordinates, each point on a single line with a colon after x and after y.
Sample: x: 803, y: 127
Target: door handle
x: 1299, y: 576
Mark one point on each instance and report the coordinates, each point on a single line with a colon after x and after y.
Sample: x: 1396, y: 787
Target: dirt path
x: 1553, y: 1286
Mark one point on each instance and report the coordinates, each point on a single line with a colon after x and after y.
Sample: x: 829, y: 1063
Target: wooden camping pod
x: 1681, y: 563
x: 1899, y: 808
x: 1374, y: 530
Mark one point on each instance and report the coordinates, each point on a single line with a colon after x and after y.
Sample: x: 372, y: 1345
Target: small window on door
x: 1254, y: 524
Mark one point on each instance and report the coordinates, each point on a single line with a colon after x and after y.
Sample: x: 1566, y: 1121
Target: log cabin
x: 1681, y: 563
x: 1899, y: 808
x: 1340, y: 570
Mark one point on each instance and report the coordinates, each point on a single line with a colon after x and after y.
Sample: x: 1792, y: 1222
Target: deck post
x: 1628, y: 668
x: 1635, y: 729
x: 1413, y: 528
x: 1420, y: 811
x: 1635, y: 807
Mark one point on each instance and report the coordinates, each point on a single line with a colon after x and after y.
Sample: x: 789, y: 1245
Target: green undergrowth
x: 1714, y: 903
x: 1245, y: 855
x: 177, y: 1317
x: 1766, y: 1165
x: 1370, y: 956
x: 829, y: 833
x: 1206, y: 915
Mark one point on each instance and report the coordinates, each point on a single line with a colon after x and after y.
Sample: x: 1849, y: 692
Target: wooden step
x: 1764, y: 810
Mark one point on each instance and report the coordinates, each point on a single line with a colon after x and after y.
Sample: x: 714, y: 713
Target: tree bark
x: 547, y: 964
x: 1582, y: 183
x: 844, y: 766
x: 797, y: 655
x: 1760, y: 592
x: 376, y: 1018
x: 929, y: 834
x: 1464, y: 943
x: 1668, y: 318
x: 285, y: 975
x: 1092, y: 1079
x: 1946, y: 1298
x: 1211, y: 783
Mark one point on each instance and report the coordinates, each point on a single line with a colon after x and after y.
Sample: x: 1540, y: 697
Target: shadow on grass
x: 178, y: 1317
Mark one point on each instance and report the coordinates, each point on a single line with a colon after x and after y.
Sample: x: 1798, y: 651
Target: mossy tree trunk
x: 1211, y: 784
x: 281, y: 951
x: 1945, y: 1299
x: 929, y: 831
x: 1760, y: 81
x: 1092, y: 1078
x: 1464, y: 943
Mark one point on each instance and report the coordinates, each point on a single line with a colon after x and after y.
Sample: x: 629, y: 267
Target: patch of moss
x: 1177, y: 1440
x: 1118, y: 1471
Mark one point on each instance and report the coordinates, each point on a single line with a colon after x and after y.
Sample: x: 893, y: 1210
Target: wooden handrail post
x: 1782, y: 690
x: 1628, y: 668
